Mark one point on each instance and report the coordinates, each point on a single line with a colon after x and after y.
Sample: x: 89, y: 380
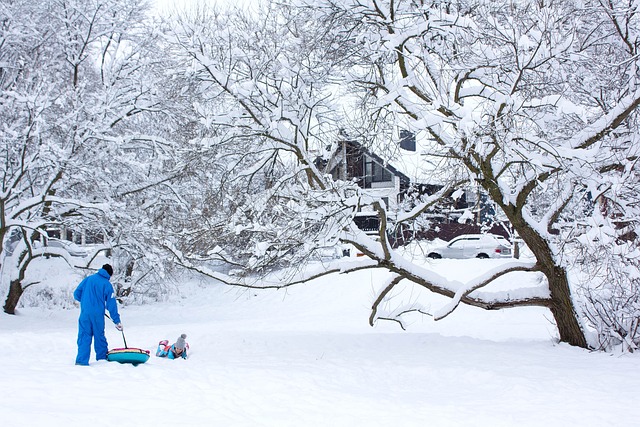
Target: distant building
x: 81, y: 237
x: 352, y: 161
x: 384, y: 181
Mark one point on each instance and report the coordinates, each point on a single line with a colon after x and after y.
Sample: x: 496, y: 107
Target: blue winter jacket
x: 95, y: 293
x: 169, y: 352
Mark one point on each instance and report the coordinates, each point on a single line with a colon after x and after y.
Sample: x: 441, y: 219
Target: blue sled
x: 135, y: 356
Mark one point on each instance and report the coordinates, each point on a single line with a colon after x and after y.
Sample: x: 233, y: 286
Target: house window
x: 374, y: 172
x: 368, y: 223
x: 407, y: 140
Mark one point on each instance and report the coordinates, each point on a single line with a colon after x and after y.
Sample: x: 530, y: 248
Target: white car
x: 474, y: 246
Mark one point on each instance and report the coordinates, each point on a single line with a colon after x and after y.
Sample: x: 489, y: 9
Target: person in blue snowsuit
x: 95, y: 294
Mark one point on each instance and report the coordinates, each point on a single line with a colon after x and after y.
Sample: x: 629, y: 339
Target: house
x: 384, y: 181
x: 352, y: 161
x: 379, y: 178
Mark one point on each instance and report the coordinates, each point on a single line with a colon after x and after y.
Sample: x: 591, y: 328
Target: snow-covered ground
x: 306, y: 356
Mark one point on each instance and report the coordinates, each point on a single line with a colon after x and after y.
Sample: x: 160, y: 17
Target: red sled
x: 135, y: 356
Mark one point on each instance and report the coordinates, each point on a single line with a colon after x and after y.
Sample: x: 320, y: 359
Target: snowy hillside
x: 307, y: 357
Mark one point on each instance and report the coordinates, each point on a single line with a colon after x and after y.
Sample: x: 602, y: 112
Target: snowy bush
x: 50, y: 297
x: 609, y: 289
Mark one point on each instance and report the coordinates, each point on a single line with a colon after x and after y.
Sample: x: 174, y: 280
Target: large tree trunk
x: 562, y: 307
x: 17, y: 286
x: 15, y: 292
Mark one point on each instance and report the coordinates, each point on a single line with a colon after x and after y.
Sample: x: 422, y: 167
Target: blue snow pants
x: 91, y: 326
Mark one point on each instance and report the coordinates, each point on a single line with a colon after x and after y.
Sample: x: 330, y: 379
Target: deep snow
x: 305, y: 356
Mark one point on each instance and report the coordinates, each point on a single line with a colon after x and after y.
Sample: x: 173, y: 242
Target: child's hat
x: 180, y: 343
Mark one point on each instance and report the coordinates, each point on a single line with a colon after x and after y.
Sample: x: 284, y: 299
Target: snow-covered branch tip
x: 463, y: 292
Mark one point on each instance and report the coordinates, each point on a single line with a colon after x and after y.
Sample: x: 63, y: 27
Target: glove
x: 119, y: 326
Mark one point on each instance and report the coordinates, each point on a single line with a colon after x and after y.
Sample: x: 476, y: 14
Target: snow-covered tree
x: 263, y: 108
x: 535, y: 102
x: 74, y: 82
x: 538, y: 101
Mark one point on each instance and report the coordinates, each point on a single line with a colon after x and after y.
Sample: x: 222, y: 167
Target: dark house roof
x: 355, y: 155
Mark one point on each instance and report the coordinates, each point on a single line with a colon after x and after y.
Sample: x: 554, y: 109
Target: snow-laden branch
x: 387, y: 287
x: 275, y: 280
x: 487, y: 278
x: 32, y: 202
x: 604, y: 125
x: 458, y: 291
x: 425, y: 204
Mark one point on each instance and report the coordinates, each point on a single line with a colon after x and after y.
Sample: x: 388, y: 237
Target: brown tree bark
x: 17, y: 285
x: 15, y: 292
x: 561, y: 307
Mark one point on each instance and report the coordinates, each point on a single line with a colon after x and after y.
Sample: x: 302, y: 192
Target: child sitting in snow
x: 179, y: 349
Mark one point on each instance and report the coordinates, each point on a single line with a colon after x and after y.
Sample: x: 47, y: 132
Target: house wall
x: 387, y: 190
x: 353, y: 166
x: 389, y: 184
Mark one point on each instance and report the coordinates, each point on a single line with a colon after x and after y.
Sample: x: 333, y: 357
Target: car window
x: 457, y: 243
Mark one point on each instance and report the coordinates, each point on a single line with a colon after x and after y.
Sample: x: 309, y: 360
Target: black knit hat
x: 108, y: 269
